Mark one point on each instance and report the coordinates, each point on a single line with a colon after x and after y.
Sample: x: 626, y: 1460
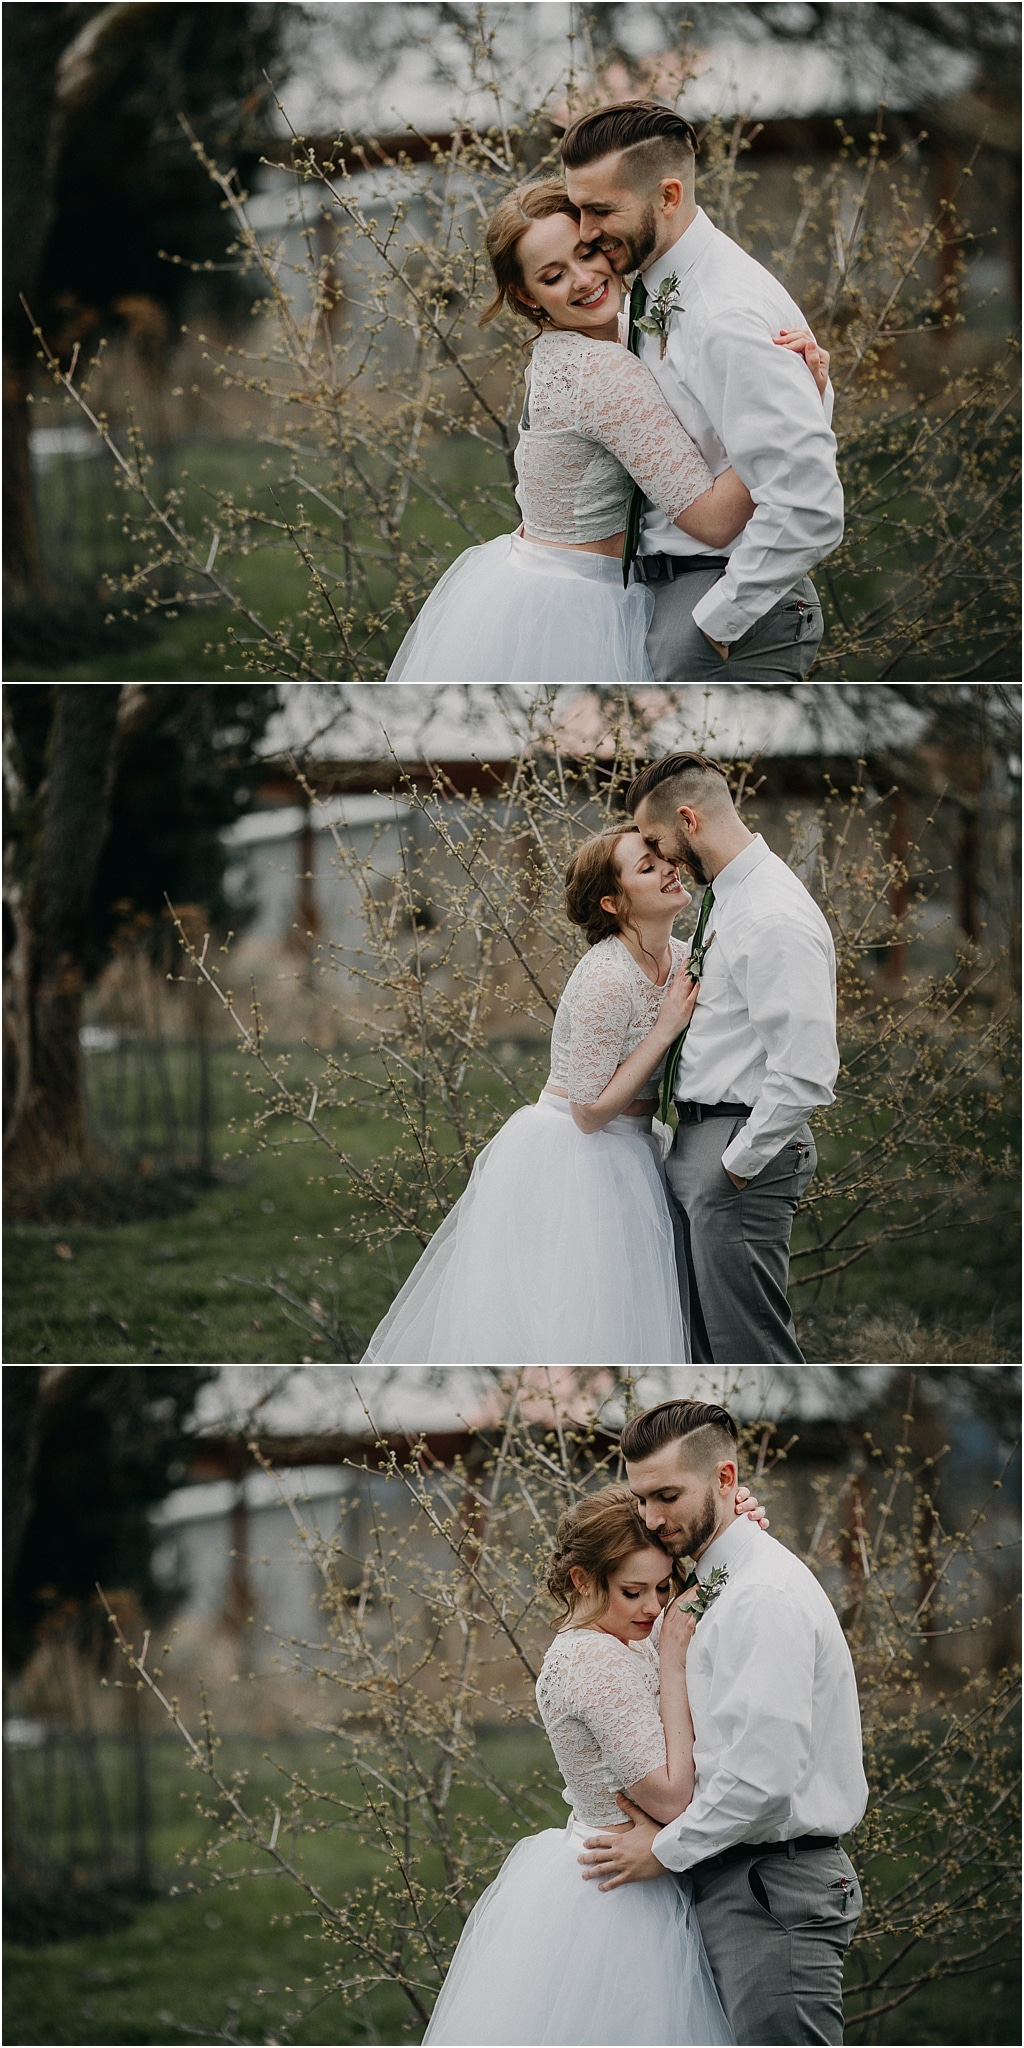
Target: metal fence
x: 148, y: 1098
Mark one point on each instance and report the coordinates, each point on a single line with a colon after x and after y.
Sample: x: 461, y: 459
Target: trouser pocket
x: 788, y: 635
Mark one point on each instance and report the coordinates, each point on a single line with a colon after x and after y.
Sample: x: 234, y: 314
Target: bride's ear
x: 579, y: 1579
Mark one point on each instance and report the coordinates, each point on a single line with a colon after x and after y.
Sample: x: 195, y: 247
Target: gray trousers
x: 776, y: 1930
x: 779, y: 647
x: 736, y: 1244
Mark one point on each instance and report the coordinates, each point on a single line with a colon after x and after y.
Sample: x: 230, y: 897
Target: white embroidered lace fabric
x: 608, y: 1006
x: 598, y: 420
x: 598, y: 1700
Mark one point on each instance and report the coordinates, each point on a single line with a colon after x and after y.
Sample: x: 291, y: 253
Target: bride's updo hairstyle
x: 598, y: 1534
x: 591, y: 874
x: 517, y: 212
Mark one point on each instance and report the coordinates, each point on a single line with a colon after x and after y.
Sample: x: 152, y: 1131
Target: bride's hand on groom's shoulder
x: 748, y: 1504
x: 802, y: 343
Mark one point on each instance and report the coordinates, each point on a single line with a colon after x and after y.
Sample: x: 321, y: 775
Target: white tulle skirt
x: 513, y: 612
x: 560, y: 1251
x: 547, y: 1957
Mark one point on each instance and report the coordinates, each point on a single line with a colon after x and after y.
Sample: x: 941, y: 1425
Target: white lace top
x: 598, y: 1700
x: 596, y: 420
x: 607, y: 1008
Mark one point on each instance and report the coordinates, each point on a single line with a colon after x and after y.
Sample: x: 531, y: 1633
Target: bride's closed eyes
x: 574, y: 287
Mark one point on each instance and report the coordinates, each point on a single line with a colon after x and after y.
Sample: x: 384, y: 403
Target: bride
x: 545, y: 1957
x: 548, y: 603
x: 562, y: 1248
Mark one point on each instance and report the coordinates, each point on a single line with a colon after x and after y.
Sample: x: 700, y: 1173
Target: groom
x: 759, y: 1056
x: 707, y: 314
x: 777, y: 1746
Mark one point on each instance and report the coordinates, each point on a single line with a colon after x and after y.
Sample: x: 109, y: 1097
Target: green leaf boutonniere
x: 708, y: 1590
x: 695, y: 968
x: 659, y: 311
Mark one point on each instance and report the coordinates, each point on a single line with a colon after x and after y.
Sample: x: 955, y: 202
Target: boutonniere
x: 659, y: 311
x: 695, y: 969
x: 708, y: 1590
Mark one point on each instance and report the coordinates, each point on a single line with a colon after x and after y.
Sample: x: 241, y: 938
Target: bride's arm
x: 719, y: 514
x: 621, y: 405
x: 666, y: 1793
x: 676, y: 1010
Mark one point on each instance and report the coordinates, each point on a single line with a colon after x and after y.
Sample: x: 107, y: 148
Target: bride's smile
x: 573, y: 287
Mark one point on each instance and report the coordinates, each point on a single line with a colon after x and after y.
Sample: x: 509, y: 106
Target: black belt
x: 797, y: 1845
x: 697, y: 1112
x: 665, y: 568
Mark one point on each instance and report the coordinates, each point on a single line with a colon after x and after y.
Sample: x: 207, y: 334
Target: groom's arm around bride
x: 777, y: 1745
x: 703, y: 318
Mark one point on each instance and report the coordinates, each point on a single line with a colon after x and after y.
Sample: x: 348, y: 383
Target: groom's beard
x: 695, y: 866
x: 685, y: 852
x: 691, y: 1536
x: 632, y: 251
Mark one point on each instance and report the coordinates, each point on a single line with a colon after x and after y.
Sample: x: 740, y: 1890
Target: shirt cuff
x: 725, y: 618
x: 745, y: 1157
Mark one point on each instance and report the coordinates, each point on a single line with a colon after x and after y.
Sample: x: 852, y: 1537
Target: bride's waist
x: 598, y: 561
x: 610, y: 544
x: 581, y: 1828
x: 639, y: 1108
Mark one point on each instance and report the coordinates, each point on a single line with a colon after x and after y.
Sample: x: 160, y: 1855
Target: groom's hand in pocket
x: 719, y: 645
x: 624, y: 1858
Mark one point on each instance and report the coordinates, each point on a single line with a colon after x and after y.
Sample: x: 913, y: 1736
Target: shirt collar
x: 739, y: 1536
x: 742, y: 864
x: 684, y: 253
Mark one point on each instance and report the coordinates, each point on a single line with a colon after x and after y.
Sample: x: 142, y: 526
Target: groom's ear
x: 728, y: 1475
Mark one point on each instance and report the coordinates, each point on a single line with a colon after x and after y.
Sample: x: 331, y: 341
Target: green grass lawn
x: 80, y: 514
x: 195, y: 1286
x: 249, y: 1962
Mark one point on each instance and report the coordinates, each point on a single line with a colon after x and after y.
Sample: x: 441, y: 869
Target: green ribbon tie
x: 698, y: 948
x: 634, y: 510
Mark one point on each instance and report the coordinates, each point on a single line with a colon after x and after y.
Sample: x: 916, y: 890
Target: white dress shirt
x: 764, y: 1029
x: 777, y: 1742
x: 747, y: 402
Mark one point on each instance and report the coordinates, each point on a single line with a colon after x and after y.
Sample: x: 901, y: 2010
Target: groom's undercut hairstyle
x: 654, y: 141
x: 692, y: 779
x: 705, y: 1434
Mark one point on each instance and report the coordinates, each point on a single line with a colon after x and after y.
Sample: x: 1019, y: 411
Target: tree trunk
x: 35, y: 38
x: 47, y: 1130
x: 23, y: 1389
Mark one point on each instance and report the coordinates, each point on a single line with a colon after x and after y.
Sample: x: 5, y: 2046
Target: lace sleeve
x: 621, y: 405
x: 614, y: 1700
x: 600, y: 1010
